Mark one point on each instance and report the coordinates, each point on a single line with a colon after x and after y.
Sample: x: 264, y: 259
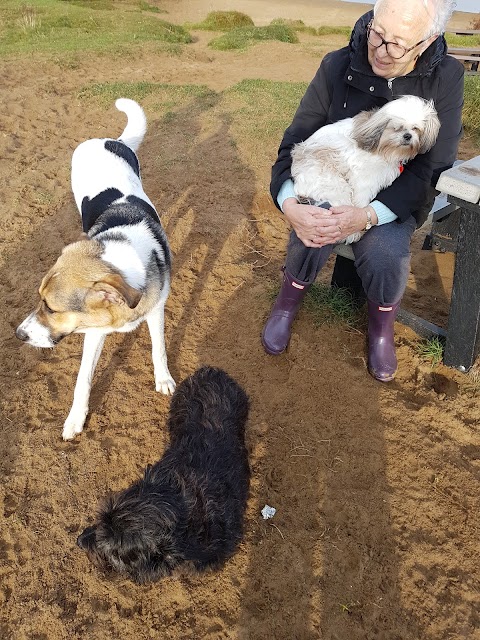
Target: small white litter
x: 268, y: 512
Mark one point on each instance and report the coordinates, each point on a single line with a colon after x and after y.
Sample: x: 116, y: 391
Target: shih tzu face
x: 399, y: 130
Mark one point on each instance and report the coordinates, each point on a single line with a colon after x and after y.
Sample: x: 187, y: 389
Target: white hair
x: 440, y: 12
x: 351, y: 160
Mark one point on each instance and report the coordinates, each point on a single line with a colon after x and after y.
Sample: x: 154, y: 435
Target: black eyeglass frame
x: 384, y: 42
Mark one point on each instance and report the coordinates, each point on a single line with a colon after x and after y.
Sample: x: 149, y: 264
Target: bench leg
x: 463, y: 335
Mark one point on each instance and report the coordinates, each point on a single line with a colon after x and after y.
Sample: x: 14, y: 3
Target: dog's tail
x: 136, y: 125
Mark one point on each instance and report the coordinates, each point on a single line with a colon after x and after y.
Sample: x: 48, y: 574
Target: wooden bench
x: 468, y: 51
x: 462, y: 185
x: 444, y: 219
x: 465, y: 58
x: 465, y: 32
x: 460, y: 197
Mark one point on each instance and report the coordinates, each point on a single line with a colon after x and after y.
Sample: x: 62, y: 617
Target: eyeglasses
x: 394, y: 50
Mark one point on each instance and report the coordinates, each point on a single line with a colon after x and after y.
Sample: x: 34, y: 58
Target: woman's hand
x: 314, y: 226
x: 352, y: 219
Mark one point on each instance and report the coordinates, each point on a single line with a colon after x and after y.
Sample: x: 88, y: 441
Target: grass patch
x: 296, y: 25
x: 328, y: 31
x: 471, y: 107
x: 169, y: 95
x: 462, y: 41
x: 144, y: 6
x: 260, y: 111
x: 431, y: 350
x: 332, y: 305
x: 243, y: 37
x: 223, y: 21
x: 96, y: 5
x: 73, y: 25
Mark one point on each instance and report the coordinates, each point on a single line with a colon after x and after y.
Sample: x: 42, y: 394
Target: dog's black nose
x: 21, y: 334
x: 407, y: 137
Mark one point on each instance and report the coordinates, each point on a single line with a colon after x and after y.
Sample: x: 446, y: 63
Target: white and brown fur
x: 350, y: 161
x: 117, y: 274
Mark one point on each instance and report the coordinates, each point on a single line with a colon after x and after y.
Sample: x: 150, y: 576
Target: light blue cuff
x: 287, y: 190
x: 384, y: 214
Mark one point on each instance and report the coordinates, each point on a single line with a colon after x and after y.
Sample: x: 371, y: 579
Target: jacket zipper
x: 390, y: 82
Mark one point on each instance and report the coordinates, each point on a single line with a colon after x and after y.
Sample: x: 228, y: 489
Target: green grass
x: 95, y: 5
x: 471, y: 107
x: 462, y: 41
x: 260, y: 111
x: 243, y: 37
x: 266, y: 107
x: 328, y: 31
x: 296, y: 25
x: 431, y: 350
x: 223, y: 21
x: 168, y: 96
x: 332, y: 305
x: 144, y: 6
x: 60, y: 26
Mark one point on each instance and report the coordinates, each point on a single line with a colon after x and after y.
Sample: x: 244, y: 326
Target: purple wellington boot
x: 276, y: 332
x: 382, y: 359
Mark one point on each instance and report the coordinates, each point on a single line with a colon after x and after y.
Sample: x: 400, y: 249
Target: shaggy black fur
x: 188, y: 508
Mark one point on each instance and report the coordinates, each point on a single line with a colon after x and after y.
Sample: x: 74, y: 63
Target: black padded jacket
x: 345, y: 84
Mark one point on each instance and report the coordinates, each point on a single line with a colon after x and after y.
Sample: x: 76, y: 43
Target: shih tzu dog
x: 350, y: 161
x: 188, y: 508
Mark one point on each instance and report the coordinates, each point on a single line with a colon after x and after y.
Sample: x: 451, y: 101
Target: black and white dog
x: 117, y: 274
x: 188, y: 508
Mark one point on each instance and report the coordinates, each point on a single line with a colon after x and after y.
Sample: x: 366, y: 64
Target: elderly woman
x: 396, y: 49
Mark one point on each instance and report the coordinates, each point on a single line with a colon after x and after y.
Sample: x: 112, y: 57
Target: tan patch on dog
x: 82, y: 291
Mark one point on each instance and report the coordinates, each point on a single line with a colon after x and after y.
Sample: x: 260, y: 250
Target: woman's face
x: 404, y: 23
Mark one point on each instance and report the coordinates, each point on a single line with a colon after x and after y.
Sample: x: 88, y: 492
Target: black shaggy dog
x: 188, y: 508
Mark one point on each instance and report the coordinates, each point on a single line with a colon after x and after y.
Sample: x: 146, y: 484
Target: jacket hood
x: 427, y: 62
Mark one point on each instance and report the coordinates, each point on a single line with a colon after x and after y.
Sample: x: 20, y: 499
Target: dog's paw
x: 165, y: 385
x: 73, y: 425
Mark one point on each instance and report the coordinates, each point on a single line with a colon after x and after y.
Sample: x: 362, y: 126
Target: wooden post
x: 462, y: 186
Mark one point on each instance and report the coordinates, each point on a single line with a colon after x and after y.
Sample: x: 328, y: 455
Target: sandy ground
x: 375, y: 486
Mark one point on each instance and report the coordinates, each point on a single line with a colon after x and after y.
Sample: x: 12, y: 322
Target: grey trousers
x: 382, y: 260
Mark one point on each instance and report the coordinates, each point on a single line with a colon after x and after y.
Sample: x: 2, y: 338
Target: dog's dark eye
x: 47, y: 308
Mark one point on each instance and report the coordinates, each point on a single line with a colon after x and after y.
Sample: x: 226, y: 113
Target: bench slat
x: 465, y: 58
x: 473, y: 51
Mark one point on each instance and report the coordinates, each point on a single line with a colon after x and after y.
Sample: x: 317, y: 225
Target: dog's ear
x: 114, y: 290
x: 368, y: 128
x: 429, y: 134
x: 46, y: 279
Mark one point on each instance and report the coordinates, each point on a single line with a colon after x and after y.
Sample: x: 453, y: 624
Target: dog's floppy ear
x: 46, y: 279
x: 368, y: 128
x: 114, y: 290
x: 431, y: 128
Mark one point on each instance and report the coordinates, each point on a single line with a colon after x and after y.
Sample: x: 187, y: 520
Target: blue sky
x: 468, y: 5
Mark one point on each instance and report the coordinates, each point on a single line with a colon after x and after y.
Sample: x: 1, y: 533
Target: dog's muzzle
x: 86, y: 540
